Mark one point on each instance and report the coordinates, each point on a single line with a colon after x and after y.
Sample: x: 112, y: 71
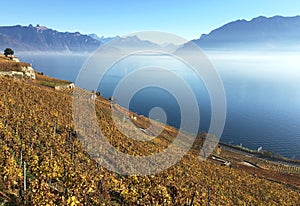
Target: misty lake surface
x: 262, y: 91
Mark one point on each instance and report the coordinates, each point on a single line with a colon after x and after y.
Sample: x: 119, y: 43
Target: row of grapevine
x: 43, y: 161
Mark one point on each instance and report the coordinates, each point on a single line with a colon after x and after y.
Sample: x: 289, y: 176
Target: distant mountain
x: 170, y: 46
x: 40, y: 38
x: 102, y: 39
x: 260, y: 32
x: 133, y: 42
x: 127, y: 44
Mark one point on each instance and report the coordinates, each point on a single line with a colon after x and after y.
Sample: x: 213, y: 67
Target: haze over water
x: 262, y: 91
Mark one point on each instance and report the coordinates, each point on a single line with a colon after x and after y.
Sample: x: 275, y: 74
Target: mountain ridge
x: 259, y: 32
x: 41, y: 38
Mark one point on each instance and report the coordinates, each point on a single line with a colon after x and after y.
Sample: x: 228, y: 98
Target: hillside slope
x: 37, y: 133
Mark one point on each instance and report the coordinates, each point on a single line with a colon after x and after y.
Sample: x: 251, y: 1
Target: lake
x: 262, y: 91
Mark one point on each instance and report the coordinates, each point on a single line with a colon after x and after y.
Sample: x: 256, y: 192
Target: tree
x: 8, y: 51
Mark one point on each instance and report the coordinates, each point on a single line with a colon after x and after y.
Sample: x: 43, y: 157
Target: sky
x: 187, y: 19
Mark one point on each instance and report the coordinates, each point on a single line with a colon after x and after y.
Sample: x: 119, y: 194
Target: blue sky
x: 188, y: 19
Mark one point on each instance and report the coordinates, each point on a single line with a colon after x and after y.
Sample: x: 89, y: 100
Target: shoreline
x: 266, y: 155
x: 263, y: 154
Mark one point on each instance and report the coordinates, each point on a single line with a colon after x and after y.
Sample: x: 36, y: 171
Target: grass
x: 50, y: 82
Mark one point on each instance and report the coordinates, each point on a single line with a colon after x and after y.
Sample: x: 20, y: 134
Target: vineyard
x: 43, y: 161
